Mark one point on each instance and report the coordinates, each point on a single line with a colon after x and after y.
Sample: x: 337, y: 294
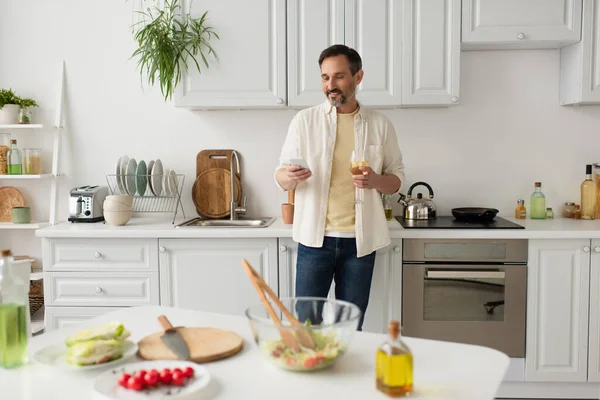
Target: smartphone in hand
x: 299, y: 161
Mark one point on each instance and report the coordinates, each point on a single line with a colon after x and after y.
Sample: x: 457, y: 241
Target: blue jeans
x: 335, y: 260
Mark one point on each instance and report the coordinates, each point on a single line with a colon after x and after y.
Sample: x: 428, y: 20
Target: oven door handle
x: 475, y: 274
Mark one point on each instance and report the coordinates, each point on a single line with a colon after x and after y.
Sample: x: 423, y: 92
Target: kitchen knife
x: 173, y: 340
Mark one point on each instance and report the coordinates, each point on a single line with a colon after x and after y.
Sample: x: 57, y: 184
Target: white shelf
x: 43, y: 176
x: 32, y: 225
x: 36, y: 276
x: 22, y: 126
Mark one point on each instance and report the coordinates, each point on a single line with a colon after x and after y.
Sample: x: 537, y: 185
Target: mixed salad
x: 98, y: 345
x: 327, y: 349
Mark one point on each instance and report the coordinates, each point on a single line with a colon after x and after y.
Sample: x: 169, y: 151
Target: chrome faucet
x: 234, y: 209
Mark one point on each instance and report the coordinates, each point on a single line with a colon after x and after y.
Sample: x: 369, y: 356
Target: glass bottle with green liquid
x: 14, y: 297
x: 14, y: 159
x: 538, y: 203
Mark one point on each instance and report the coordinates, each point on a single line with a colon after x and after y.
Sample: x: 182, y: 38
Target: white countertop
x: 443, y: 370
x: 559, y: 228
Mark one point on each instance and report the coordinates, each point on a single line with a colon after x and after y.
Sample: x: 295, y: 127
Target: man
x: 339, y: 220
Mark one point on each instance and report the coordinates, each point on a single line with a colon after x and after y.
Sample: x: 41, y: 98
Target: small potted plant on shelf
x: 9, y: 107
x: 25, y: 113
x: 167, y: 39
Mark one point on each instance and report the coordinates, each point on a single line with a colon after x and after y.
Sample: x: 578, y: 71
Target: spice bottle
x: 394, y: 365
x: 549, y: 213
x: 520, y: 210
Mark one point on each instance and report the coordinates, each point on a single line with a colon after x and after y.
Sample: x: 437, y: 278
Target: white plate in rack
x: 150, y: 165
x: 165, y: 182
x: 173, y: 183
x: 130, y: 177
x: 157, y: 177
x: 107, y: 383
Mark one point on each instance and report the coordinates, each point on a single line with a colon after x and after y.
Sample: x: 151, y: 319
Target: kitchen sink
x: 242, y: 222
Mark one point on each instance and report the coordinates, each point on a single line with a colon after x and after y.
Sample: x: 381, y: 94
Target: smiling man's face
x: 339, y: 85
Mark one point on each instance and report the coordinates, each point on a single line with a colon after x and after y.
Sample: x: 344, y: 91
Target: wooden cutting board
x: 205, y: 344
x: 208, y: 159
x: 9, y: 197
x: 211, y: 193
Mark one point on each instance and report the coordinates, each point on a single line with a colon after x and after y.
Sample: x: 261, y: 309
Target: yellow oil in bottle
x: 394, y: 365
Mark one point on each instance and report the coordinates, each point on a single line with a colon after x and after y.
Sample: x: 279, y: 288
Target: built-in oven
x: 468, y: 291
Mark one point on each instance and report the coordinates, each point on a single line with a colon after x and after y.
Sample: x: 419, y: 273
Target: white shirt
x: 312, y: 135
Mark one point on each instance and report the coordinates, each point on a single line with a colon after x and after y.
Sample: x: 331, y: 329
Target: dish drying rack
x: 167, y: 201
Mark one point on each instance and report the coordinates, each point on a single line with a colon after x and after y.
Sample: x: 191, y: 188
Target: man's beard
x: 341, y: 100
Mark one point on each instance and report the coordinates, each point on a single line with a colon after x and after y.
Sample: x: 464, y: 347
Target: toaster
x: 86, y: 203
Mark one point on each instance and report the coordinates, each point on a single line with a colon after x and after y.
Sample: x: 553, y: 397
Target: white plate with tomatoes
x: 153, y: 380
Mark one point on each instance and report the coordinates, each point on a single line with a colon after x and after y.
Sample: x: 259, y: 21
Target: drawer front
x: 101, y: 289
x: 62, y: 317
x: 100, y: 254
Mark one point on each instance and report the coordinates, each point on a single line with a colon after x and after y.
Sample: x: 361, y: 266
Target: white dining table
x: 442, y: 370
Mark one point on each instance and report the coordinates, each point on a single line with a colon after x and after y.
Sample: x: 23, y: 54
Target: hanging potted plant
x: 167, y: 40
x: 9, y: 107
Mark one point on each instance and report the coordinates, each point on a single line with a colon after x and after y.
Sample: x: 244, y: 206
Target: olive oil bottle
x: 394, y: 365
x: 13, y: 315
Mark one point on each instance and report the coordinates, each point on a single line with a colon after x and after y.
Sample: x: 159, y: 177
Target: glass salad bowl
x: 330, y: 323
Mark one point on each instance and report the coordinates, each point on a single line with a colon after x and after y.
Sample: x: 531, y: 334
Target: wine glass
x: 357, y: 160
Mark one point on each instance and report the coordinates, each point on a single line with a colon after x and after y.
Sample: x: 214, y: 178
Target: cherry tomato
x: 151, y: 380
x: 188, y: 372
x: 153, y: 372
x: 165, y: 376
x: 311, y: 362
x: 178, y: 378
x: 123, y: 380
x: 135, y: 383
x: 177, y: 370
x: 140, y: 374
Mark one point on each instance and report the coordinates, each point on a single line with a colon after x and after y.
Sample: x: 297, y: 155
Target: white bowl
x: 117, y: 218
x: 121, y: 198
x: 115, y: 206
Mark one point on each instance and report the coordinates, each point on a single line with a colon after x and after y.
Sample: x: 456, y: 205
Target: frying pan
x: 475, y: 214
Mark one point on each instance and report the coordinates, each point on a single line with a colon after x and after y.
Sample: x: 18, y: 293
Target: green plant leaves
x: 166, y: 40
x: 8, y: 96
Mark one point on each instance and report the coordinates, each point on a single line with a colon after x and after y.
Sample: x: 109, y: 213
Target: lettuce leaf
x: 94, y: 352
x: 110, y: 331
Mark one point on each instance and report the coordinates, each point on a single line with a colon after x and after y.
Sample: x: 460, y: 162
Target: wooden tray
x: 211, y: 193
x: 205, y: 344
x: 9, y: 197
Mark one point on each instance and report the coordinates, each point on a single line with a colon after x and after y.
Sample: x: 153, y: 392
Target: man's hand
x: 387, y: 184
x: 289, y: 176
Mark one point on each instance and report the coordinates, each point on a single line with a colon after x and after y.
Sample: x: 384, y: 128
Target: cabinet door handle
x: 99, y: 289
x: 520, y: 36
x: 280, y: 101
x: 162, y: 249
x: 97, y: 254
x: 454, y: 99
x: 283, y: 248
x: 586, y: 249
x: 397, y: 249
x: 597, y: 249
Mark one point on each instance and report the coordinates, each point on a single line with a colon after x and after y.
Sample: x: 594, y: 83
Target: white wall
x: 508, y: 131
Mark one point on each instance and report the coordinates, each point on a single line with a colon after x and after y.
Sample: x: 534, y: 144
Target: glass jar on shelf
x: 4, y: 146
x: 568, y: 210
x: 25, y: 115
x: 32, y: 161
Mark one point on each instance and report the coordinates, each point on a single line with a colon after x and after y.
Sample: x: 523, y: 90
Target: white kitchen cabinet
x: 207, y: 274
x: 313, y: 25
x: 251, y: 67
x: 431, y: 52
x: 61, y: 317
x: 520, y: 24
x: 558, y: 287
x: 594, y: 315
x: 385, y: 298
x: 580, y: 62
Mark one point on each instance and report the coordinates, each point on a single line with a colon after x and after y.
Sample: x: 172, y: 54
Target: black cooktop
x: 449, y: 222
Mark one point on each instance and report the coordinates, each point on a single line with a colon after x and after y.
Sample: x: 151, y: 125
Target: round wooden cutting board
x: 205, y: 344
x: 211, y: 193
x: 9, y: 197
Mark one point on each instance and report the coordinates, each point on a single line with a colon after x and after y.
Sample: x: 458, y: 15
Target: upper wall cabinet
x: 580, y: 63
x: 251, y: 71
x: 431, y: 52
x: 313, y: 25
x: 520, y: 24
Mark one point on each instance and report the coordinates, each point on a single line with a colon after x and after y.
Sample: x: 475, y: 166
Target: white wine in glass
x: 357, y: 161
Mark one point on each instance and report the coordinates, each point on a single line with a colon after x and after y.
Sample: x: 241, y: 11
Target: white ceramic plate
x: 120, y: 189
x: 173, y: 183
x: 150, y: 165
x: 130, y: 177
x: 165, y: 182
x: 54, y: 356
x: 122, y: 172
x: 108, y: 382
x: 157, y: 172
